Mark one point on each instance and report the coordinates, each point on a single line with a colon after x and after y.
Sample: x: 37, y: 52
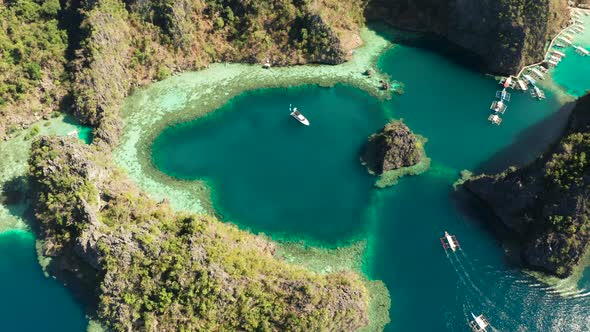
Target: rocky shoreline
x: 394, y: 152
x: 546, y: 204
x: 506, y: 35
x: 150, y: 267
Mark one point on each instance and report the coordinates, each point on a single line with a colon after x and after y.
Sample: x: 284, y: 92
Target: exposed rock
x: 394, y: 147
x: 547, y: 204
x: 506, y: 34
x: 154, y: 269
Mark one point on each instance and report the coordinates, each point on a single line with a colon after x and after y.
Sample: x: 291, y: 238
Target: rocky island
x: 139, y: 264
x: 394, y: 152
x: 545, y: 204
x: 152, y: 269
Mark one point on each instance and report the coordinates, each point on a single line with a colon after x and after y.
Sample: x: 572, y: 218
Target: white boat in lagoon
x: 529, y: 79
x: 537, y: 93
x: 503, y: 95
x: 582, y: 51
x: 449, y: 241
x: 495, y: 119
x: 298, y: 116
x: 521, y: 84
x: 498, y: 107
x: 479, y: 323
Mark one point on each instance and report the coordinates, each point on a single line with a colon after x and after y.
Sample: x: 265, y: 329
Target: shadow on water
x: 432, y: 43
x: 17, y: 197
x: 479, y: 214
x: 530, y: 143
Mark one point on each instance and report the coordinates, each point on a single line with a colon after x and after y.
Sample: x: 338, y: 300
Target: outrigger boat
x: 298, y: 116
x: 499, y: 107
x: 449, y: 242
x: 479, y: 323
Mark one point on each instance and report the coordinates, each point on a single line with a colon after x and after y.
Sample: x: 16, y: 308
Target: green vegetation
x: 32, y: 60
x: 546, y: 203
x: 167, y: 271
x: 389, y: 178
x: 395, y: 152
x: 101, y: 81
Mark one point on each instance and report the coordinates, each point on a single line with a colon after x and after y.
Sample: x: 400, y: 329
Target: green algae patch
x: 14, y: 154
x: 390, y: 178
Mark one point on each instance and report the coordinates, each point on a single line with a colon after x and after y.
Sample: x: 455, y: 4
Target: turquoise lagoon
x: 270, y: 174
x: 30, y: 300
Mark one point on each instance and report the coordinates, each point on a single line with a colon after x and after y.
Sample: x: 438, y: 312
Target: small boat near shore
x: 298, y: 116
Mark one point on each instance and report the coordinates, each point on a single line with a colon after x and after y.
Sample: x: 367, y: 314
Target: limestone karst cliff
x: 505, y: 34
x: 546, y: 204
x: 160, y: 270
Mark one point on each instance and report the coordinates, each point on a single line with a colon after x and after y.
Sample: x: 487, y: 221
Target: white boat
x: 479, y: 323
x: 449, y: 242
x: 503, y: 95
x: 522, y: 85
x: 298, y: 116
x: 529, y: 79
x: 537, y: 93
x: 498, y: 107
x: 495, y: 119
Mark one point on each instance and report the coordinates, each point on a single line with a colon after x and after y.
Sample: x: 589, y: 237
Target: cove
x: 271, y: 174
x: 445, y: 101
x: 448, y: 103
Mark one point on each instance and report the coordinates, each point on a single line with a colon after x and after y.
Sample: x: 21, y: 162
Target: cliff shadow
x: 432, y: 43
x: 527, y: 147
x: 480, y: 216
x: 81, y: 279
x: 530, y: 143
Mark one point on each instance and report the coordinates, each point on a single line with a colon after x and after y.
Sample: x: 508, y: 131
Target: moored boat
x: 298, y: 116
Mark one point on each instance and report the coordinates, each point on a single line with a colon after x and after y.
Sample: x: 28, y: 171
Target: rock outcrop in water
x: 394, y: 147
x: 158, y: 270
x: 547, y: 204
x: 506, y: 34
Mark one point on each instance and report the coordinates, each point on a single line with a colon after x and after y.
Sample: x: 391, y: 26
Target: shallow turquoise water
x: 273, y: 175
x: 573, y: 72
x: 30, y: 301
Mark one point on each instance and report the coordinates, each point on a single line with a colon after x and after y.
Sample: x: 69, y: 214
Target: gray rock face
x: 394, y: 147
x: 86, y: 246
x: 506, y: 34
x: 547, y: 203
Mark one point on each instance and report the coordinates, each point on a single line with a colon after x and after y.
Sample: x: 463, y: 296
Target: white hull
x: 299, y: 117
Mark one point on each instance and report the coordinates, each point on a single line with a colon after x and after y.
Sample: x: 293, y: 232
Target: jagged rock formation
x: 158, y: 270
x: 547, y: 204
x: 394, y: 147
x: 121, y: 44
x: 506, y: 34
